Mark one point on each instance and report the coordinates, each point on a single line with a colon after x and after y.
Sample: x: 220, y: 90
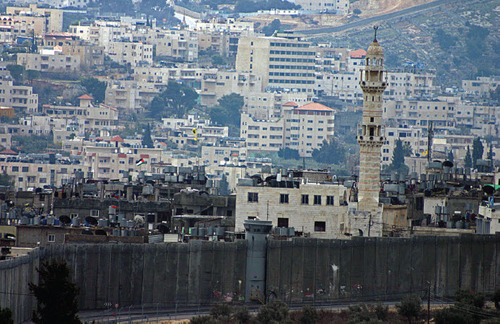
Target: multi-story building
x: 102, y: 118
x: 43, y: 20
x: 420, y: 113
x: 482, y: 86
x: 181, y: 45
x: 302, y: 128
x: 130, y: 95
x: 340, y: 7
x: 284, y: 62
x: 415, y: 137
x: 130, y: 53
x: 314, y: 209
x: 21, y: 98
x: 49, y: 60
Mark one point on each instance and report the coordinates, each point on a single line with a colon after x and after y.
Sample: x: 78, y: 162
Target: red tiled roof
x: 8, y: 152
x: 291, y: 104
x: 360, y: 53
x: 85, y: 97
x: 116, y: 139
x: 109, y: 107
x: 314, y: 106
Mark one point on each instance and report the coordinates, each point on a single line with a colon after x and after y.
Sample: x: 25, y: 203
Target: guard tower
x: 371, y: 132
x: 256, y: 237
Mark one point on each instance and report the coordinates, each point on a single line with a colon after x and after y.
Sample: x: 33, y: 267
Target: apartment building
x: 222, y: 155
x: 102, y: 118
x: 339, y: 7
x: 49, y: 60
x: 482, y: 86
x: 415, y: 137
x: 90, y: 55
x: 21, y: 98
x: 28, y: 176
x: 316, y: 210
x: 130, y: 95
x: 6, y: 34
x: 283, y: 62
x: 43, y: 20
x: 420, y: 113
x: 181, y: 45
x: 130, y: 53
x: 302, y: 128
x: 269, y: 105
x: 205, y: 132
x: 230, y: 25
x: 307, y: 127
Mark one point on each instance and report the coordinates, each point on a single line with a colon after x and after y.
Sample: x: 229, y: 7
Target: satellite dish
x: 101, y: 232
x: 91, y: 220
x: 448, y: 164
x: 139, y: 220
x: 163, y: 228
x: 87, y: 232
x: 64, y: 219
x: 488, y: 189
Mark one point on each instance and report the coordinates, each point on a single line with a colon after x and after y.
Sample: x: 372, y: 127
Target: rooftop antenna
x: 375, y: 28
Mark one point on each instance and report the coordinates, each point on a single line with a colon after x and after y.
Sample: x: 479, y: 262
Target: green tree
x: 147, y: 141
x: 309, y: 315
x: 6, y: 316
x: 56, y: 294
x: 407, y: 150
x: 410, y: 307
x: 330, y: 152
x: 272, y: 27
x: 356, y: 11
x: 17, y: 72
x: 218, y: 60
x: 451, y: 158
x: 289, y: 154
x: 6, y: 180
x: 176, y: 100
x: 274, y: 312
x: 228, y: 112
x: 398, y: 159
x: 96, y: 88
x: 468, y: 159
x: 444, y: 40
x: 477, y: 151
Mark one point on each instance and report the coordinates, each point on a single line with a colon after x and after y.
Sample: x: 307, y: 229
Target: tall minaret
x: 370, y: 133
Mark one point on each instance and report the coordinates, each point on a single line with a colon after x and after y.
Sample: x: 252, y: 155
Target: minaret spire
x: 375, y: 28
x: 371, y: 135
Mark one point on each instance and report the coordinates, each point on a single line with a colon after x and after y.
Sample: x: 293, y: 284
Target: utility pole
x: 430, y: 135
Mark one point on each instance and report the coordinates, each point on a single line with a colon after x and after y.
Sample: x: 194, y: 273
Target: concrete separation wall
x: 299, y: 270
x: 322, y: 270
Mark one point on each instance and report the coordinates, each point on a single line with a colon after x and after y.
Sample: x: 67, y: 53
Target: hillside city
x: 137, y: 123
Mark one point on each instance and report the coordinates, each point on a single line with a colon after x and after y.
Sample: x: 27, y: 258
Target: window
x: 317, y: 199
x: 253, y: 197
x: 305, y: 199
x: 283, y: 198
x: 319, y: 226
x: 329, y: 200
x: 282, y: 222
x: 15, y: 169
x: 94, y: 213
x: 51, y: 238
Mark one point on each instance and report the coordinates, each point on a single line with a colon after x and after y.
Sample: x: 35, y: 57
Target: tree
x: 176, y: 100
x: 410, y: 307
x: 147, y: 141
x: 96, y: 88
x: 17, y: 72
x: 6, y: 180
x: 407, y: 149
x: 477, y: 151
x: 451, y: 158
x: 56, y: 294
x: 6, y: 316
x: 309, y: 315
x: 289, y: 154
x: 356, y: 11
x: 330, y: 152
x: 274, y: 312
x: 398, y: 158
x: 228, y: 112
x: 218, y: 60
x: 468, y: 159
x: 272, y: 27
